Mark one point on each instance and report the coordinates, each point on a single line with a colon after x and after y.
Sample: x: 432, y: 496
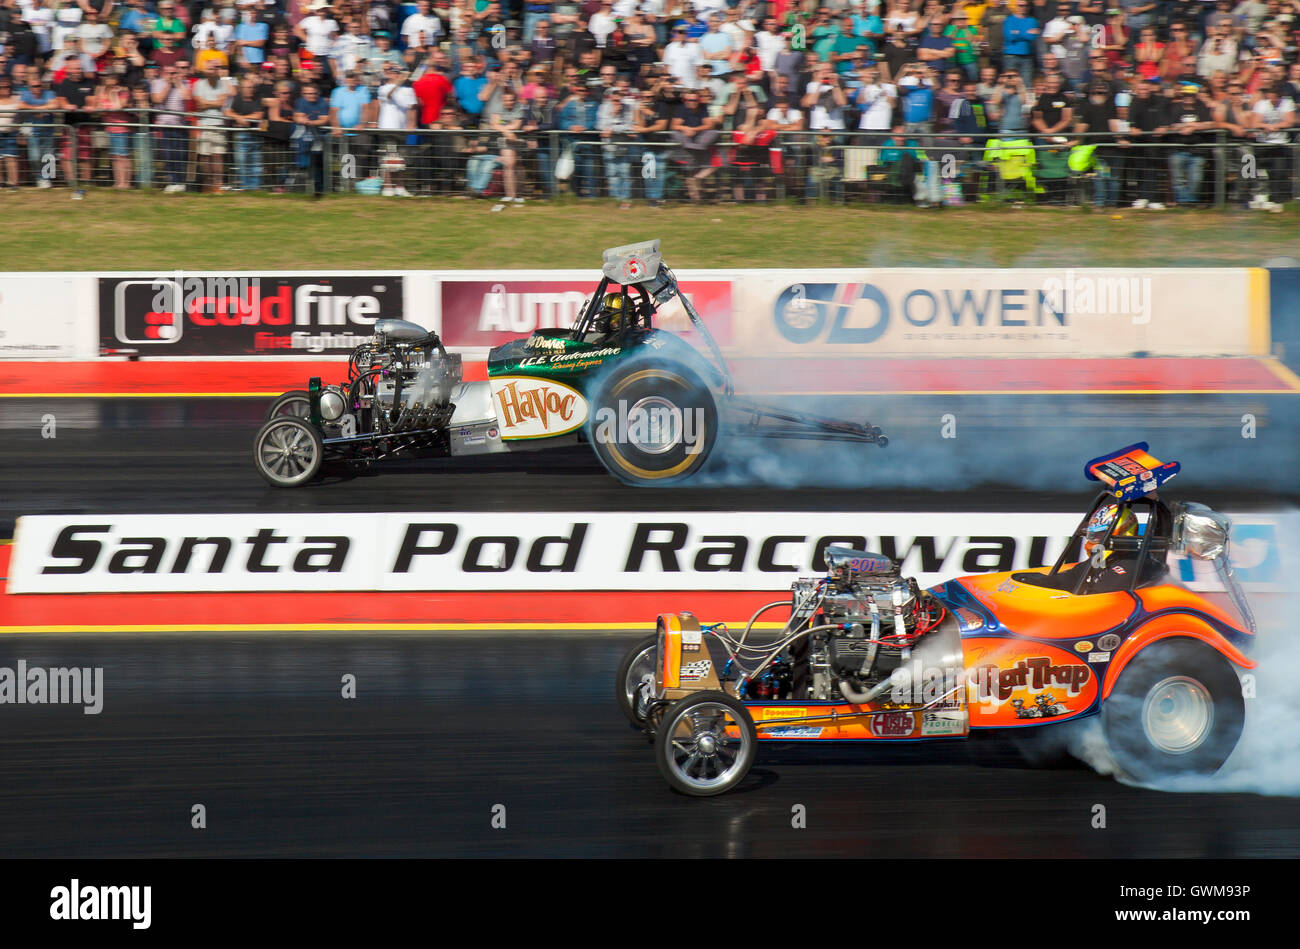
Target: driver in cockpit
x: 1110, y: 567
x: 610, y: 319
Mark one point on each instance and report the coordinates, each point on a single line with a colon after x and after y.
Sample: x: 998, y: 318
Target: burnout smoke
x: 1030, y: 442
x: 1267, y: 758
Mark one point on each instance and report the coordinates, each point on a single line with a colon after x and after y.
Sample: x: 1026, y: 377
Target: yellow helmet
x: 611, y: 313
x: 1099, y: 523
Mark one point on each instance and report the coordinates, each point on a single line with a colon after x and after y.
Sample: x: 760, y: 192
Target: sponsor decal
x: 1034, y: 673
x: 207, y: 315
x: 485, y: 313
x: 793, y: 731
x: 892, y: 724
x: 694, y: 671
x: 1083, y: 646
x: 1099, y: 657
x: 778, y: 713
x: 1108, y: 643
x: 943, y: 723
x: 545, y: 342
x: 536, y: 408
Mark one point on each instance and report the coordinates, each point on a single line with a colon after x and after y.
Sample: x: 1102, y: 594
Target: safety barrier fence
x: 210, y: 153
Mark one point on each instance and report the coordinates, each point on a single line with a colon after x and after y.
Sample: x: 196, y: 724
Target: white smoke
x: 1267, y: 758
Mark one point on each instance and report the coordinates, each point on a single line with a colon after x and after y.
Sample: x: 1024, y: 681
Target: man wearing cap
x: 1189, y: 122
x: 1076, y: 47
x: 1097, y: 120
x: 317, y: 29
x: 964, y: 38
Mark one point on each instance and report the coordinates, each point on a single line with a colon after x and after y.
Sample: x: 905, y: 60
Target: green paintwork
x: 553, y: 354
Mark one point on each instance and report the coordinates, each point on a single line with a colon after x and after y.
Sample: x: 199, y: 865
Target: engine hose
x: 754, y: 618
x: 862, y: 698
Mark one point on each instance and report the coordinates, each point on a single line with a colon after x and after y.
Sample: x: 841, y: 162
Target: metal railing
x: 207, y: 153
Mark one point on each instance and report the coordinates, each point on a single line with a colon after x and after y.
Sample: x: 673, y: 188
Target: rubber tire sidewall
x: 624, y: 667
x: 306, y: 427
x: 663, y: 742
x: 287, y: 396
x: 1121, y: 713
x: 684, y: 390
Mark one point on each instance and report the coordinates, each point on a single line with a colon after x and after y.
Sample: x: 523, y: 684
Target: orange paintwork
x: 1170, y: 596
x: 1001, y: 672
x: 670, y: 650
x: 1044, y: 613
x: 1165, y: 627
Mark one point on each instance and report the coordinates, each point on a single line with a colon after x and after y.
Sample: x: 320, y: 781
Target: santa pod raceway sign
x: 205, y: 315
x: 535, y: 551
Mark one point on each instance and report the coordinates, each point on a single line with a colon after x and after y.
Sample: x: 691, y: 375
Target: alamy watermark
x: 1086, y: 293
x: 36, y: 685
x: 651, y: 425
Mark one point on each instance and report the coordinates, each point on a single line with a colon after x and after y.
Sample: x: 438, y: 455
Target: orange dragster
x: 867, y: 655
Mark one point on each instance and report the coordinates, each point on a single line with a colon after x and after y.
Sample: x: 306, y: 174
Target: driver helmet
x: 1100, y: 522
x: 610, y: 318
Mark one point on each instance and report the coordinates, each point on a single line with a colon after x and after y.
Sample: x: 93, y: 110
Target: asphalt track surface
x: 444, y: 727
x: 1010, y: 452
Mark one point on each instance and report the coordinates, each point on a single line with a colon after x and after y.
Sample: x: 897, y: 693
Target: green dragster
x: 650, y: 404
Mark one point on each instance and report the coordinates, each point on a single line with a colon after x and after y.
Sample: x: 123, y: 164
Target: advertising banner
x: 545, y: 551
x: 1017, y: 313
x: 486, y: 313
x: 205, y: 315
x: 38, y: 316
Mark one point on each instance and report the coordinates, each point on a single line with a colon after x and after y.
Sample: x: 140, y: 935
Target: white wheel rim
x: 287, y: 452
x: 1177, y: 715
x: 700, y: 752
x: 296, y: 407
x: 662, y: 426
x: 641, y: 670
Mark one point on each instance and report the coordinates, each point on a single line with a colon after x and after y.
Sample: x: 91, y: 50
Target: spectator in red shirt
x: 432, y: 90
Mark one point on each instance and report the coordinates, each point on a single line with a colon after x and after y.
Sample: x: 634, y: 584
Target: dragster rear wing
x: 1130, y: 472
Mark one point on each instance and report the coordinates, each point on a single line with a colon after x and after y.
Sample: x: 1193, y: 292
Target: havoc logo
x: 1036, y: 674
x: 529, y: 408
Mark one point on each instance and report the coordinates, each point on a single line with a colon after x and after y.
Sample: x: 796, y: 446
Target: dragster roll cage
x: 662, y: 287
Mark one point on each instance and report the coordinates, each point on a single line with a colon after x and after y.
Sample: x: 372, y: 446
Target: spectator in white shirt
x: 317, y: 29
x: 682, y: 56
x: 876, y: 99
x: 94, y: 35
x: 421, y: 28
x: 221, y: 33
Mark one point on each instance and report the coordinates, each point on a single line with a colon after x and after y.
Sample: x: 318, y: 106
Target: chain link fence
x: 206, y: 154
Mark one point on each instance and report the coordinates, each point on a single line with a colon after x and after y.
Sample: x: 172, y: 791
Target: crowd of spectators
x: 616, y: 98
